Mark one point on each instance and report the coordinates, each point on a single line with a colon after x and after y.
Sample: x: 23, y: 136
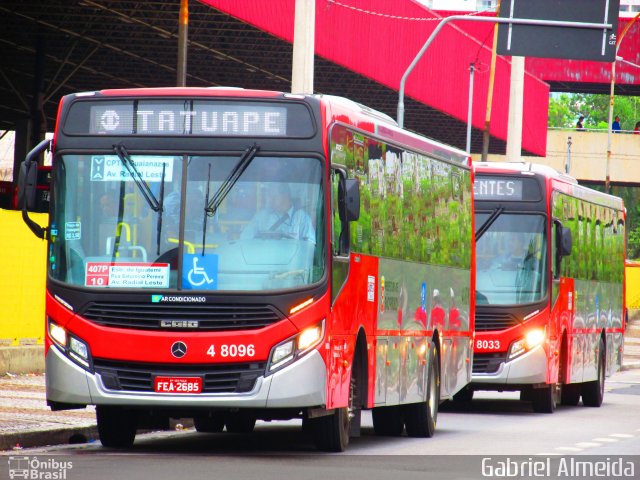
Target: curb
x: 630, y: 366
x: 41, y: 438
x: 22, y: 359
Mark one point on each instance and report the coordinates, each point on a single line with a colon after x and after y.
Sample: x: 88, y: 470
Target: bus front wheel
x: 593, y: 392
x: 116, y: 426
x: 331, y: 432
x: 420, y: 418
x: 544, y: 399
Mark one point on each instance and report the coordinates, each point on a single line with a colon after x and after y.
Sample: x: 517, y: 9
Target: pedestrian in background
x: 615, y: 126
x: 579, y: 125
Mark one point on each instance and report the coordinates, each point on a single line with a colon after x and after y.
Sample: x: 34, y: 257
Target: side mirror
x: 352, y: 199
x: 27, y: 186
x: 565, y: 243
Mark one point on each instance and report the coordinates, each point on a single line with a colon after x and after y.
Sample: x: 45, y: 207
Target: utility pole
x: 486, y: 134
x: 183, y: 29
x: 516, y: 97
x: 303, y: 47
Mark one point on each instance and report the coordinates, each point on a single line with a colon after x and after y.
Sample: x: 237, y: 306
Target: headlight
x: 293, y: 348
x: 532, y: 339
x: 58, y: 334
x: 73, y: 347
x: 281, y: 353
x: 310, y: 337
x: 79, y: 351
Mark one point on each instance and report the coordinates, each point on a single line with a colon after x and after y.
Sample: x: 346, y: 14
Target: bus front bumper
x: 529, y: 368
x: 301, y: 384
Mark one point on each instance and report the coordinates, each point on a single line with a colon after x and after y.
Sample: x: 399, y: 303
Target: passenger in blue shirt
x: 615, y: 126
x: 280, y: 219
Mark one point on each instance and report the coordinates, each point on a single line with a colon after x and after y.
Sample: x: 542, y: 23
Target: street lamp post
x: 567, y: 167
x: 472, y: 68
x: 607, y: 180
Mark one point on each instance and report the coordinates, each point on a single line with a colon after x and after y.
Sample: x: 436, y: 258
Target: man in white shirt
x: 280, y: 219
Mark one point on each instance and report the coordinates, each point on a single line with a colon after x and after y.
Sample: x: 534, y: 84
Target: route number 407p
x: 232, y: 350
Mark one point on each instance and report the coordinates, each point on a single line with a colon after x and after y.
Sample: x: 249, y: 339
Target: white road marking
x: 605, y: 439
x: 569, y: 449
x: 588, y: 444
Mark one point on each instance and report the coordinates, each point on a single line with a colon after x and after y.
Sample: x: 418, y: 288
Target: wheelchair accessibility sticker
x: 200, y: 272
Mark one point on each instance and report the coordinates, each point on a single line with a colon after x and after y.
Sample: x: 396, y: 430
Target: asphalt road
x: 493, y: 425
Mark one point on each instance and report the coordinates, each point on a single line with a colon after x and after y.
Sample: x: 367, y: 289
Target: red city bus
x: 232, y: 255
x: 550, y: 275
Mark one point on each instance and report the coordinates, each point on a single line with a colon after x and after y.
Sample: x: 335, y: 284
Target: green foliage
x: 633, y: 245
x: 565, y: 109
x: 631, y: 198
x: 413, y: 207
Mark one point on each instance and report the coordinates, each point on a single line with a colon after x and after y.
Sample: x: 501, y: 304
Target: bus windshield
x: 234, y: 222
x: 511, y: 260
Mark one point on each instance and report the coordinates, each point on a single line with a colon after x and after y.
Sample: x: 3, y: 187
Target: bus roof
x: 520, y: 167
x: 358, y: 115
x: 556, y: 180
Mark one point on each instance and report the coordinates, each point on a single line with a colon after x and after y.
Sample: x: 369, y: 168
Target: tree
x: 566, y: 108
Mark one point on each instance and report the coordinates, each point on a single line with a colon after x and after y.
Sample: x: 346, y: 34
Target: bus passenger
x: 280, y: 219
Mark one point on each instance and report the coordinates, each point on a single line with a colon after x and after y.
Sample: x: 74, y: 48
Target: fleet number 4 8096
x: 232, y: 350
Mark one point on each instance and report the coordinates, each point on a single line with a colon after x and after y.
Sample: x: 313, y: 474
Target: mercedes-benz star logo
x: 179, y: 349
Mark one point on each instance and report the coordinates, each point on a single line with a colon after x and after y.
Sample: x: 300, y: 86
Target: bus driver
x: 280, y: 219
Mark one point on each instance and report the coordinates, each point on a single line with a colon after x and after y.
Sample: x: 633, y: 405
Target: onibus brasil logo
x: 38, y: 469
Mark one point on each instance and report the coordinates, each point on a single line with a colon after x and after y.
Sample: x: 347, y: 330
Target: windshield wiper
x: 154, y: 204
x: 160, y: 210
x: 206, y: 213
x: 231, y: 179
x: 485, y: 226
x: 140, y: 182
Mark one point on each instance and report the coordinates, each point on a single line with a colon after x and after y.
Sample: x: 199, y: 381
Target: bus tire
x: 205, y: 424
x: 420, y: 418
x: 544, y: 399
x: 331, y: 432
x: 240, y: 423
x: 116, y: 426
x: 593, y: 392
x: 570, y: 394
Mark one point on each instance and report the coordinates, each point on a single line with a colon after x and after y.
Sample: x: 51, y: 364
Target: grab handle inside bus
x: 27, y: 187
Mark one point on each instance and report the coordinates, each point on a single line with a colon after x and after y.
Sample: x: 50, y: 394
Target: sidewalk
x: 27, y: 421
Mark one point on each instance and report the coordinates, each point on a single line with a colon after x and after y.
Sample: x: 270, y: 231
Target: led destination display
x: 152, y: 117
x: 506, y: 189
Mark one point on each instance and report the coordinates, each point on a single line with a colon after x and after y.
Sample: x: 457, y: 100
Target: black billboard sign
x: 597, y: 44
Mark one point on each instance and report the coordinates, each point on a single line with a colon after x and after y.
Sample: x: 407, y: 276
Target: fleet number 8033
x: 488, y: 344
x: 232, y: 350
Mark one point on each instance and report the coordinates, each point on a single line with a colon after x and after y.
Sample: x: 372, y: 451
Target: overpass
x: 583, y: 154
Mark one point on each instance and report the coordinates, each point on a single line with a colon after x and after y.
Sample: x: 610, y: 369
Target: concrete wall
x: 589, y: 155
